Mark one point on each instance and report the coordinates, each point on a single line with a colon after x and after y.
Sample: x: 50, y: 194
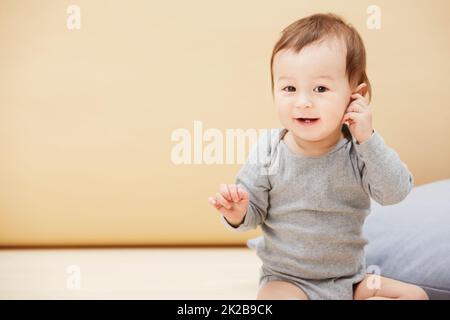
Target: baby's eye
x: 289, y: 87
x: 320, y: 89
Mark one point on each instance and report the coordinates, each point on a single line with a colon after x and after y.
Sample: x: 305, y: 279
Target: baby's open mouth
x: 307, y: 120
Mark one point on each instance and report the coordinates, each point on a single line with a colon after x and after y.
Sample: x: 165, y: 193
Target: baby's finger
x: 360, y: 98
x: 362, y: 104
x: 223, y: 188
x: 355, y: 108
x: 350, y: 116
x: 233, y: 191
x: 243, y: 194
x: 345, y: 119
x: 214, y: 203
x: 357, y: 96
x: 224, y: 202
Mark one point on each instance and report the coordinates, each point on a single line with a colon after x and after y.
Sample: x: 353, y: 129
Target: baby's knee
x: 416, y: 293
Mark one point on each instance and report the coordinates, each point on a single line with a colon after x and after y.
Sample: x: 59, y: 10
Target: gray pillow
x: 410, y: 241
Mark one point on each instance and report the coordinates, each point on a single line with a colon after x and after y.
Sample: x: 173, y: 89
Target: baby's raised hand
x: 232, y: 202
x: 358, y: 116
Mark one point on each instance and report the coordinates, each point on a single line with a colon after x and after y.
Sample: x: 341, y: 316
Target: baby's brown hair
x: 321, y: 26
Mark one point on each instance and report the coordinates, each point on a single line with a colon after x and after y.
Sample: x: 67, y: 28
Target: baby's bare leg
x: 280, y: 290
x: 388, y: 289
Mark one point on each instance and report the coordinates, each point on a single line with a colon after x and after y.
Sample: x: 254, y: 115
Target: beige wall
x: 86, y: 115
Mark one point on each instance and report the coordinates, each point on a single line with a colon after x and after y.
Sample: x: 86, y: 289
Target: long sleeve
x: 385, y: 178
x: 253, y: 177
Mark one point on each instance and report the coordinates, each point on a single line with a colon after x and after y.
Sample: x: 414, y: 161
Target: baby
x: 311, y: 194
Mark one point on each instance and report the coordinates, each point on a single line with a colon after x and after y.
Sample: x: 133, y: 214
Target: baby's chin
x: 315, y: 132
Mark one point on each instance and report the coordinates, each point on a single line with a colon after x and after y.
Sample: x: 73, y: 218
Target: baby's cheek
x: 285, y: 110
x: 341, y: 109
x: 332, y: 118
x: 283, y: 116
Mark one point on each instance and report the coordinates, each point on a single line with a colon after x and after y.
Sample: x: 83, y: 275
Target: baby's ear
x: 361, y: 89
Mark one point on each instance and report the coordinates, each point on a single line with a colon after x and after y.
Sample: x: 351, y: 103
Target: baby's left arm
x: 385, y: 177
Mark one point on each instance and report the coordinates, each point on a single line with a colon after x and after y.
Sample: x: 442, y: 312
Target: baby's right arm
x: 244, y: 205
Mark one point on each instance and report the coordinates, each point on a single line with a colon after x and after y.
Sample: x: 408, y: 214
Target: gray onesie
x: 312, y: 209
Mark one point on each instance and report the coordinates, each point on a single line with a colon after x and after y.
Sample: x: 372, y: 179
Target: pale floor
x: 128, y: 273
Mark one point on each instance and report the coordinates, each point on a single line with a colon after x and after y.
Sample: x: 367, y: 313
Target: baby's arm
x: 251, y: 191
x: 385, y: 177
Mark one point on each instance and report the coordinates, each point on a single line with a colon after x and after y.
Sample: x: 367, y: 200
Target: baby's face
x: 312, y: 84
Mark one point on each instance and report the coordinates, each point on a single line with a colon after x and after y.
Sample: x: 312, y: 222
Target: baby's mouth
x: 307, y: 120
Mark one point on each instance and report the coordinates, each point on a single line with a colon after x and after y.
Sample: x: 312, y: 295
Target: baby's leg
x: 388, y: 289
x: 280, y: 290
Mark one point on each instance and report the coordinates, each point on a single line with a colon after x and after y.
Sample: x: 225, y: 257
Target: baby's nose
x: 303, y: 101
